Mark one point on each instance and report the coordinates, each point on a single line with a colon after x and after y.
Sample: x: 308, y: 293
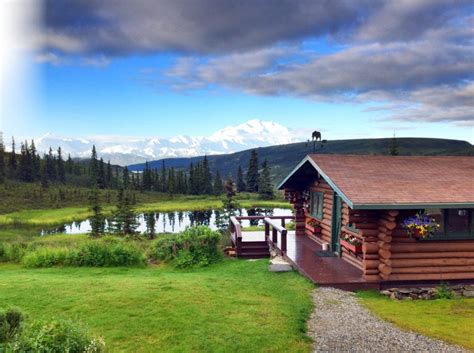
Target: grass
x: 234, y: 306
x: 151, y: 202
x: 450, y: 320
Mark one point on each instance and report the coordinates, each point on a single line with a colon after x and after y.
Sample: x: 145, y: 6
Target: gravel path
x: 340, y: 324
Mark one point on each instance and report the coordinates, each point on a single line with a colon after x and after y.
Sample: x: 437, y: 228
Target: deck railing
x: 274, y: 228
x: 271, y: 226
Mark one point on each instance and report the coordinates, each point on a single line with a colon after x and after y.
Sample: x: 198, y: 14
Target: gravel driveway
x: 340, y: 324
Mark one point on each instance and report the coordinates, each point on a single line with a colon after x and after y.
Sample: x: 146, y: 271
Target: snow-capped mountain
x: 130, y: 150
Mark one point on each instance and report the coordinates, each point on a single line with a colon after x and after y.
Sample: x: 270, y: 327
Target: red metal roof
x: 399, y: 180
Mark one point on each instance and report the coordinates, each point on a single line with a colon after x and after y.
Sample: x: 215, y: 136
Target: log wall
x: 415, y: 260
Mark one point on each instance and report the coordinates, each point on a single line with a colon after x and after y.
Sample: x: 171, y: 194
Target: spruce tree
x: 393, y: 146
x: 44, y: 174
x: 2, y: 160
x: 150, y: 222
x: 218, y: 184
x: 94, y: 168
x: 126, y: 178
x: 60, y: 167
x: 25, y: 163
x: 206, y: 177
x: 101, y: 174
x: 252, y: 172
x: 163, y: 181
x: 171, y: 181
x: 35, y: 162
x: 240, y: 180
x: 265, y: 187
x: 12, y: 163
x: 69, y: 164
x: 97, y: 221
x: 125, y: 220
x: 108, y: 175
x: 51, y: 166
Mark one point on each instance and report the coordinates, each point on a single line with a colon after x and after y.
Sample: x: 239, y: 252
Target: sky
x: 351, y: 69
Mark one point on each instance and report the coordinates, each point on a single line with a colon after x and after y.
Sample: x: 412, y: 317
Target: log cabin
x: 366, y: 198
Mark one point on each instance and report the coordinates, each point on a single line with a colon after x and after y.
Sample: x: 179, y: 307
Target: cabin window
x: 317, y: 202
x: 454, y: 223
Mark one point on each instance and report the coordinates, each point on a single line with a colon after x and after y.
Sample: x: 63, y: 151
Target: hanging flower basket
x: 351, y: 243
x: 420, y: 226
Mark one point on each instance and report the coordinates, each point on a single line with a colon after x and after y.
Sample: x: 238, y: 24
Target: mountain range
x: 283, y: 158
x: 131, y: 150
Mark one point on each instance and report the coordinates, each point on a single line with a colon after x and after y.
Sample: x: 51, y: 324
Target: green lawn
x: 234, y: 306
x: 451, y: 320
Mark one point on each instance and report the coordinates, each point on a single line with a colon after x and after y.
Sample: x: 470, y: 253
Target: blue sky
x: 346, y: 77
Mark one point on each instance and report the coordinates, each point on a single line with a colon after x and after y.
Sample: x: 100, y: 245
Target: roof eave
x: 411, y: 206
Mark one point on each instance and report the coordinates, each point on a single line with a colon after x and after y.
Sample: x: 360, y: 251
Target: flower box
x: 313, y: 226
x: 356, y: 249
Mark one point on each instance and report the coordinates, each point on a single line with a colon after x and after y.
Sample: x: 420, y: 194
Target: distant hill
x: 283, y: 158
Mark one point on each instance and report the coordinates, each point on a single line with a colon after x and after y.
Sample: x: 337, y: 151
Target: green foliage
x: 57, y: 336
x: 10, y: 325
x: 97, y: 220
x: 252, y: 172
x: 443, y: 292
x: 107, y: 252
x: 125, y: 219
x: 196, y: 246
x: 265, y: 186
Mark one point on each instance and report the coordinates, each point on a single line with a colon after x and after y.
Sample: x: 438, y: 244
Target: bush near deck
x: 450, y: 320
x: 232, y: 306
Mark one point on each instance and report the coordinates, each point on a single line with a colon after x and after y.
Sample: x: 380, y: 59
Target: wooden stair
x: 254, y: 250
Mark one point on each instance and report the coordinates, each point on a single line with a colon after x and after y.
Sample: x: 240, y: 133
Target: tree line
x: 30, y: 167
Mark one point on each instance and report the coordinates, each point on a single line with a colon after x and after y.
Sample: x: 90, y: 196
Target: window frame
x: 318, y: 213
x: 445, y: 236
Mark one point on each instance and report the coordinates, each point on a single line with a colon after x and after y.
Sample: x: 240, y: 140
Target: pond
x: 175, y: 222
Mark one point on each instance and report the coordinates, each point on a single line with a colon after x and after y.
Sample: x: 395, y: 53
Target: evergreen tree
x: 171, y: 181
x: 126, y: 178
x: 147, y: 178
x: 101, y: 174
x: 163, y: 181
x: 125, y: 220
x: 109, y: 175
x: 206, y: 177
x: 94, y: 168
x: 50, y: 165
x: 240, y: 180
x: 150, y: 222
x: 12, y: 162
x: 2, y: 160
x: 252, y: 172
x: 44, y: 174
x: 35, y: 162
x: 265, y: 187
x: 69, y: 164
x: 393, y: 146
x: 229, y: 205
x: 25, y: 163
x: 60, y: 167
x: 218, y: 184
x: 97, y: 220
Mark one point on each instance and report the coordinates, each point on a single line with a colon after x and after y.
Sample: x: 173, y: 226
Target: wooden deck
x: 323, y: 271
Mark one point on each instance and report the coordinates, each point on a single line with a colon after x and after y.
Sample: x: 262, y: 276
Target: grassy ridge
x: 234, y: 306
x: 445, y: 319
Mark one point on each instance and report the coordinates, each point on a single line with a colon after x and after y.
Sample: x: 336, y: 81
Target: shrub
x: 196, y: 246
x: 444, y: 292
x: 10, y: 325
x: 95, y: 253
x: 57, y: 336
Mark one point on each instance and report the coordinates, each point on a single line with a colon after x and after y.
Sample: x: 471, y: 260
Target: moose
x: 316, y: 136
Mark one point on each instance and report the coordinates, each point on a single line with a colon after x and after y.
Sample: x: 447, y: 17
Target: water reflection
x: 174, y: 222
